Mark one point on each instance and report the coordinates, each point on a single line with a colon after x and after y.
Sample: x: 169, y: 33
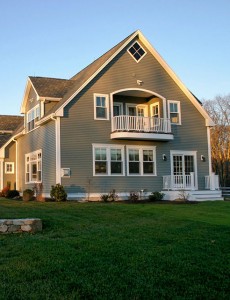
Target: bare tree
x: 219, y: 111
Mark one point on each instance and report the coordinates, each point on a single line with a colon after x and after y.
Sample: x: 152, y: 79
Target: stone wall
x: 20, y: 225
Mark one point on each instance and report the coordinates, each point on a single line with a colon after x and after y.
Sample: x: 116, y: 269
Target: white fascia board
x: 26, y: 93
x: 162, y: 62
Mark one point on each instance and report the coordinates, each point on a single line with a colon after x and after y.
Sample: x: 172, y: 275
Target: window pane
x: 133, y: 155
x: 98, y: 101
x: 101, y: 112
x: 116, y: 168
x: 116, y: 154
x: 100, y: 167
x: 148, y: 167
x: 174, y: 118
x: 134, y: 168
x: 147, y: 155
x: 100, y: 154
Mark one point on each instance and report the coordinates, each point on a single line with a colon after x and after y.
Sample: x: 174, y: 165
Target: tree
x: 219, y: 111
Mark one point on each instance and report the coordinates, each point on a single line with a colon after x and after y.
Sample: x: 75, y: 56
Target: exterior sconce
x: 164, y: 157
x: 202, y: 158
x: 139, y: 82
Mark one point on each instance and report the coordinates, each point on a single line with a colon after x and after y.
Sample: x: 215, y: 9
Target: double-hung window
x: 101, y: 107
x: 32, y: 116
x: 174, y: 112
x: 141, y: 161
x: 9, y: 168
x: 33, y: 167
x: 108, y: 160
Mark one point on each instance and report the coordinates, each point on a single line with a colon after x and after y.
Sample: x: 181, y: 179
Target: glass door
x: 183, y: 171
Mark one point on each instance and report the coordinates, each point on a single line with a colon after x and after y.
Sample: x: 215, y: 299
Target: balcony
x: 143, y: 128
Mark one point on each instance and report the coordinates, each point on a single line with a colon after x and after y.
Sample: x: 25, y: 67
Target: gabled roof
x: 84, y: 77
x: 8, y: 124
x: 51, y: 87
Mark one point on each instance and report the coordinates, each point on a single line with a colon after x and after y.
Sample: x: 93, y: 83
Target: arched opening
x: 138, y: 110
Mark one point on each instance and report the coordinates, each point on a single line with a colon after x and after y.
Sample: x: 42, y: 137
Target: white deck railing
x: 179, y: 182
x: 146, y: 124
x: 212, y: 182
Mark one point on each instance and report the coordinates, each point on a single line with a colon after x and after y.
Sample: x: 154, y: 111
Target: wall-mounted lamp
x: 202, y: 158
x: 164, y: 157
x: 139, y: 82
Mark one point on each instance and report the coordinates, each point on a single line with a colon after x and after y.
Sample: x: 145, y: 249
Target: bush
x: 134, y: 196
x: 28, y: 195
x: 156, y: 196
x: 4, y: 191
x: 58, y: 193
x: 12, y: 194
x: 110, y: 197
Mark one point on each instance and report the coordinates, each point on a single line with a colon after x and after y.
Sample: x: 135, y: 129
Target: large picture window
x: 101, y: 107
x: 108, y: 160
x: 141, y: 161
x: 34, y: 167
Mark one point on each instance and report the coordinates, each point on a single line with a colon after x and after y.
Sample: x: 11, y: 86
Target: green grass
x: 117, y: 251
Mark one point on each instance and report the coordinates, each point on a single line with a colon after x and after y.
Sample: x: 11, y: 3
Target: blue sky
x: 57, y: 38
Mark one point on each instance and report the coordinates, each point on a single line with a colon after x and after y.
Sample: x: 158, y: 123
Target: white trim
x: 58, y: 149
x: 185, y: 152
x: 179, y: 111
x: 108, y: 147
x: 142, y: 136
x: 29, y: 84
x: 106, y: 96
x: 209, y: 151
x: 140, y: 149
x: 137, y: 61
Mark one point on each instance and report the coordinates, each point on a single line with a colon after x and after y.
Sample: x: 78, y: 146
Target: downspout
x: 58, y: 148
x: 16, y: 158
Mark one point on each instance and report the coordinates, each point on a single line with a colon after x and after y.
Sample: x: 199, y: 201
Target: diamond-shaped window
x: 136, y: 51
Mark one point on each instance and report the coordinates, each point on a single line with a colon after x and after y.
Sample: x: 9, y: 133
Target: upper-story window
x: 137, y: 51
x: 32, y: 116
x: 174, y: 112
x: 101, y: 107
x: 9, y: 168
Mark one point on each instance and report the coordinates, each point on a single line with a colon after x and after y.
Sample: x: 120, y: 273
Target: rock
x: 3, y: 228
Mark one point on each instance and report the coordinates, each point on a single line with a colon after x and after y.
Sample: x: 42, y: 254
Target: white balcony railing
x: 179, y: 182
x: 141, y: 124
x: 212, y: 182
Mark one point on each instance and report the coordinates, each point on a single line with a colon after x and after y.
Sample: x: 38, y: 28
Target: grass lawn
x: 117, y: 251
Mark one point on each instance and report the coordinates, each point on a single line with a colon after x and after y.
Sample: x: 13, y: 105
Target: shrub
x: 110, y: 197
x: 156, y: 196
x: 58, y: 193
x: 4, y: 191
x: 134, y: 196
x: 28, y: 195
x: 12, y: 194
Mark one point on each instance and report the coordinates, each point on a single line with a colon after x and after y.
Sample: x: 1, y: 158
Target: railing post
x: 192, y: 180
x: 212, y: 181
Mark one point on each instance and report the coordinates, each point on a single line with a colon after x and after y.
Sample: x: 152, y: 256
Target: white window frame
x: 33, y: 158
x: 136, y: 106
x: 11, y: 164
x: 106, y: 106
x: 31, y: 116
x: 108, y: 148
x: 179, y: 111
x: 140, y: 150
x: 136, y: 51
x: 151, y: 109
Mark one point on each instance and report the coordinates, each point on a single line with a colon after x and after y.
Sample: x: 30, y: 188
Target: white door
x: 183, y: 171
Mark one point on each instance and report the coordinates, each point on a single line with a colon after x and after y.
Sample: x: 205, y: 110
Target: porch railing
x: 141, y: 124
x: 212, y: 182
x: 179, y: 182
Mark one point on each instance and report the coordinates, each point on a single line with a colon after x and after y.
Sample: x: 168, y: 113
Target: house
x: 8, y: 124
x: 124, y: 123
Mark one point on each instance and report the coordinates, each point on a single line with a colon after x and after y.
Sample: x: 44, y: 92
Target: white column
x: 1, y: 173
x: 58, y: 150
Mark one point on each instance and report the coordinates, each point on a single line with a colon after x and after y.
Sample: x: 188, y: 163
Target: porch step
x: 206, y: 195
